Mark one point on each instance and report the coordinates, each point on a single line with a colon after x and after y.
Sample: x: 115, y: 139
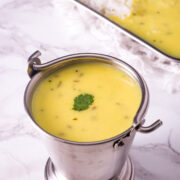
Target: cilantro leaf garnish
x: 82, y: 102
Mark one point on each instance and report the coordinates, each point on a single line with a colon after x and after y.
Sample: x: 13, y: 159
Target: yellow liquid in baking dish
x: 117, y: 98
x: 157, y: 22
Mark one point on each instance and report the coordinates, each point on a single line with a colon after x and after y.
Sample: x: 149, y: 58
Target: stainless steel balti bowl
x: 100, y: 160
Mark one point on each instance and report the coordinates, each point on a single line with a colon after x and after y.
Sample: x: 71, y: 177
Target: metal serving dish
x: 99, y: 160
x: 125, y: 31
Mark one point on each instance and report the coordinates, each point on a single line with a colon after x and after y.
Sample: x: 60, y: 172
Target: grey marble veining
x: 58, y: 28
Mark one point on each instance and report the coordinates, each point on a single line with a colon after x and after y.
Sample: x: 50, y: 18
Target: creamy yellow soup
x: 116, y: 99
x: 156, y: 21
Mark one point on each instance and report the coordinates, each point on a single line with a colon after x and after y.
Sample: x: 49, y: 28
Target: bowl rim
x: 54, y: 64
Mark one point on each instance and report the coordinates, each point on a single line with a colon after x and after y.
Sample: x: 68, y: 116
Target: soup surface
x: 156, y: 21
x: 86, y: 102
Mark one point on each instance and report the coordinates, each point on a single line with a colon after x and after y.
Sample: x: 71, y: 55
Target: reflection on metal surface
x: 127, y: 172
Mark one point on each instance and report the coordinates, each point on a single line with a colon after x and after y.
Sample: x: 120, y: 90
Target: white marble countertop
x: 58, y: 28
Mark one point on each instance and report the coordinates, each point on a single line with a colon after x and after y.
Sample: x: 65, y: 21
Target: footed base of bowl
x: 127, y: 172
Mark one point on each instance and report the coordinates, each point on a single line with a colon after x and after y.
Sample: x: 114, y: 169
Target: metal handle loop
x: 33, y: 59
x: 150, y: 128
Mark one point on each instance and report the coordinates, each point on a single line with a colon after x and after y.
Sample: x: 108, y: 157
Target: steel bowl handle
x: 33, y: 60
x: 150, y: 128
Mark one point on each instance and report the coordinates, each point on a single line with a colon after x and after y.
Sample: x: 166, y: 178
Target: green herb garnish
x: 82, y: 102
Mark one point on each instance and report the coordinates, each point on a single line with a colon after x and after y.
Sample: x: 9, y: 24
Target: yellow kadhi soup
x: 115, y: 96
x: 156, y: 21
